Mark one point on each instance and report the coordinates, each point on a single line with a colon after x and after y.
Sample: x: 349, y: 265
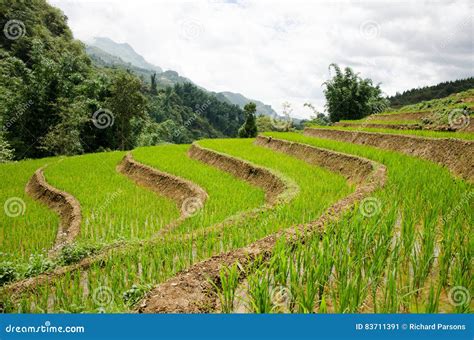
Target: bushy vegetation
x: 348, y: 96
x: 249, y: 129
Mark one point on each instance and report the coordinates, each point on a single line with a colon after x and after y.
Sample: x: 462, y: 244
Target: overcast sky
x: 278, y: 51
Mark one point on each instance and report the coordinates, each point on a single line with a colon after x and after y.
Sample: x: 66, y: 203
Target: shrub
x: 8, y: 272
x: 38, y: 264
x: 74, y: 253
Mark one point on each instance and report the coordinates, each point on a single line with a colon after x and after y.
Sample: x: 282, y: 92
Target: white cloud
x: 278, y: 51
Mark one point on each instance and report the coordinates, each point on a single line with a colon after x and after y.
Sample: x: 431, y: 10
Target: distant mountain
x: 105, y: 58
x: 124, y: 51
x: 240, y: 100
x: 106, y: 52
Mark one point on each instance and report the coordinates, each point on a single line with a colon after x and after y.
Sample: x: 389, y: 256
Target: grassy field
x: 124, y: 276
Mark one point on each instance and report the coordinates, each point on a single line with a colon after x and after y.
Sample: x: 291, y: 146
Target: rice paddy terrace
x: 331, y: 220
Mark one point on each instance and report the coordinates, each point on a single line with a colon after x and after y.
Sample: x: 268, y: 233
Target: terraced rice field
x: 113, y: 207
x: 405, y: 246
x: 449, y: 117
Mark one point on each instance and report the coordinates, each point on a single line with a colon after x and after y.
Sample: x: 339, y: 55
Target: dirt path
x: 191, y: 291
x: 63, y: 203
x: 455, y: 154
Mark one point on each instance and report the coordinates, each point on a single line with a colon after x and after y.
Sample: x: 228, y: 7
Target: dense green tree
x: 153, y: 85
x: 124, y: 103
x: 6, y: 152
x: 264, y: 123
x: 348, y: 96
x: 249, y: 129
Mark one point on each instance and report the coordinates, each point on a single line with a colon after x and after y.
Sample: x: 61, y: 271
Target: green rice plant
x: 26, y: 226
x: 259, y: 291
x: 229, y: 280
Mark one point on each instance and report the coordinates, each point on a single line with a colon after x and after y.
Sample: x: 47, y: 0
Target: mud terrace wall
x: 188, y: 195
x: 64, y: 204
x: 384, y: 126
x: 353, y: 168
x: 455, y: 154
x: 273, y: 185
x: 191, y: 291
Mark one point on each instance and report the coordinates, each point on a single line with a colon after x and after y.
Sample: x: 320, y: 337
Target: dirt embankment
x: 354, y: 168
x: 416, y: 115
x: 455, y: 154
x: 191, y: 291
x: 274, y: 186
x: 382, y: 126
x: 63, y: 203
x: 188, y: 196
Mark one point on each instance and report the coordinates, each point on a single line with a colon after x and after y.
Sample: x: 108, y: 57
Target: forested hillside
x: 441, y: 90
x: 54, y: 101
